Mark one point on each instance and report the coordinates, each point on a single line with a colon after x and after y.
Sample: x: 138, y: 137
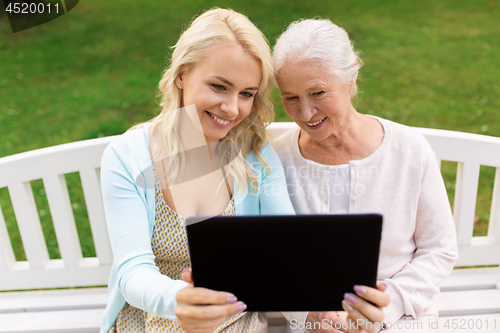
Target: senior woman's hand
x: 358, y: 311
x: 201, y: 310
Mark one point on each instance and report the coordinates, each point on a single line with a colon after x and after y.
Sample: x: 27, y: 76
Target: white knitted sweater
x: 402, y: 181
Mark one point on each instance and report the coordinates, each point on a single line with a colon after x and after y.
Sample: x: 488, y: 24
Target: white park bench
x: 468, y: 294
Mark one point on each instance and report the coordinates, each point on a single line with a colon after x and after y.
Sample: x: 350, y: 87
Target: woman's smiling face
x: 222, y: 86
x: 317, y: 100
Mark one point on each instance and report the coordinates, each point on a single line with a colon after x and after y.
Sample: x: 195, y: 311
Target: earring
x: 179, y: 85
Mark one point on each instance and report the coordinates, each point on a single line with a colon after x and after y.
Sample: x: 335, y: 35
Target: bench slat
x: 465, y: 201
x: 70, y: 321
x: 55, y: 275
x: 53, y: 300
x: 494, y: 224
x: 7, y: 258
x: 278, y: 128
x: 460, y: 303
x: 63, y: 219
x: 463, y: 147
x: 28, y: 221
x: 482, y: 251
x: 472, y: 279
x: 95, y: 208
x: 70, y: 157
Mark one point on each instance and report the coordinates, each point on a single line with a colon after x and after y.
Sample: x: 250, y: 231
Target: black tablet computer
x: 285, y: 263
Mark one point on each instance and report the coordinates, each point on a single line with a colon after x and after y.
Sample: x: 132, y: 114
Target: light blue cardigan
x: 129, y: 202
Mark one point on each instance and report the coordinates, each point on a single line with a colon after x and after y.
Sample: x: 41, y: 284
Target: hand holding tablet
x: 194, y: 305
x: 286, y: 263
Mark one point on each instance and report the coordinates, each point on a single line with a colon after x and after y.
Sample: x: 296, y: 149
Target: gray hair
x: 322, y: 41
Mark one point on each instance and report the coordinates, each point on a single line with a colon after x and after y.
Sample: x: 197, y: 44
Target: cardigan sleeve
x: 413, y: 288
x: 126, y: 209
x: 273, y: 194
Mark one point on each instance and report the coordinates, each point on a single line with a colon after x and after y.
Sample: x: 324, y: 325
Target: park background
x: 94, y: 71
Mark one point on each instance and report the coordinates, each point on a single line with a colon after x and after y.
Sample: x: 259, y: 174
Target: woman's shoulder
x: 404, y: 136
x: 131, y: 145
x: 268, y: 153
x: 406, y: 146
x: 265, y: 151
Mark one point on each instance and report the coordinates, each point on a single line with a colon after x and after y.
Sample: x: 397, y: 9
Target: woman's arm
x: 413, y: 288
x: 126, y: 209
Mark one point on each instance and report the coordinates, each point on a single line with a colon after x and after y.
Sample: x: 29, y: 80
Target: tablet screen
x: 285, y: 263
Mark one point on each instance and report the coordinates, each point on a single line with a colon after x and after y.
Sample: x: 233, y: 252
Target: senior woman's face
x: 318, y: 101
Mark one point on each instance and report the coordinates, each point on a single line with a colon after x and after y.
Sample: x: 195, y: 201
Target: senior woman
x: 357, y: 163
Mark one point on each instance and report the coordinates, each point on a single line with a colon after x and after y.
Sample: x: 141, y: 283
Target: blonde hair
x: 216, y: 26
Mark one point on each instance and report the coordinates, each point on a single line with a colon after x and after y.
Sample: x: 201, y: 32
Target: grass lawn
x: 94, y: 72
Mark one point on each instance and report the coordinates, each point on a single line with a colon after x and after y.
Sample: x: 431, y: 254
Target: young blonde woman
x: 207, y: 153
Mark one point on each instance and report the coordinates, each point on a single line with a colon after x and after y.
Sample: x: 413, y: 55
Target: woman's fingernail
x: 383, y: 284
x: 241, y: 307
x: 346, y: 306
x: 360, y: 289
x: 232, y: 299
x: 185, y: 270
x: 350, y: 298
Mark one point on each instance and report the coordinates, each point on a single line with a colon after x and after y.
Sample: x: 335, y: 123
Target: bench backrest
x: 50, y: 164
